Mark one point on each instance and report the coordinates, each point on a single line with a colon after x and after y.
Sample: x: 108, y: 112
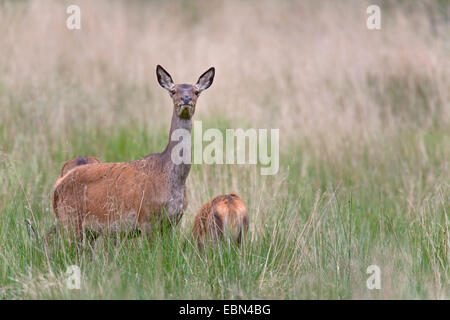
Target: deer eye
x: 196, y: 92
x: 172, y: 92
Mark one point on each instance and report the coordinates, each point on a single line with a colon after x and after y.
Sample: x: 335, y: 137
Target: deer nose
x: 186, y: 99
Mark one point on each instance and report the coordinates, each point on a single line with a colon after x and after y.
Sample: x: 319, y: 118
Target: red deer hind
x: 130, y: 195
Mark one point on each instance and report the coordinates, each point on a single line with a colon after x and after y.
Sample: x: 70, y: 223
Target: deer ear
x: 206, y: 79
x: 164, y: 78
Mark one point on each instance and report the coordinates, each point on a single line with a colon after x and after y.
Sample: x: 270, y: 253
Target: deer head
x: 184, y: 96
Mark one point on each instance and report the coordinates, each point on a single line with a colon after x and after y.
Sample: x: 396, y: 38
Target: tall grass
x: 364, y: 120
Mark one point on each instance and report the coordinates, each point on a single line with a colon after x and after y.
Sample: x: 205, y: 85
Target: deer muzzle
x: 186, y: 111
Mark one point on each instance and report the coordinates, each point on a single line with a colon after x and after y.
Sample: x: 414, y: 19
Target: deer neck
x: 177, y: 172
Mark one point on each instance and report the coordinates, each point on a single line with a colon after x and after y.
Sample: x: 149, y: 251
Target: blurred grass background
x: 364, y: 120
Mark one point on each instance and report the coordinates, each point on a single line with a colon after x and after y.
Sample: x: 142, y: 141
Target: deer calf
x: 225, y: 215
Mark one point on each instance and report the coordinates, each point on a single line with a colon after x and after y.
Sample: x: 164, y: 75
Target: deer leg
x: 49, y: 235
x: 179, y: 216
x: 67, y: 217
x: 89, y: 238
x: 148, y: 229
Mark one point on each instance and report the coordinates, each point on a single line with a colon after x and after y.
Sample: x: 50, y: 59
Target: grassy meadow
x: 364, y: 119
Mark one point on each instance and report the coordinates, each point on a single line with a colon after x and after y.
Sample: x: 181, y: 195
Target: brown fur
x: 130, y: 195
x: 97, y: 196
x: 223, y: 214
x: 69, y: 165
